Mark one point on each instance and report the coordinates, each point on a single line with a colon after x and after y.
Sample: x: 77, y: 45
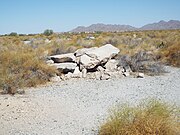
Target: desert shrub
x: 142, y: 61
x: 170, y: 55
x: 145, y: 62
x: 22, y: 34
x: 152, y: 118
x: 61, y: 49
x: 22, y: 66
x: 85, y: 43
x: 13, y: 34
x: 123, y: 60
x: 112, y: 41
x: 48, y: 32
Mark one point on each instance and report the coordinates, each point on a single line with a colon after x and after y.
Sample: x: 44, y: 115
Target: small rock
x: 84, y: 73
x: 69, y: 75
x: 62, y: 77
x: 55, y: 79
x: 77, y: 73
x: 49, y: 62
x: 20, y: 91
x: 105, y: 76
x: 97, y: 75
x: 127, y: 69
x: 91, y: 75
x: 126, y: 74
x: 140, y: 75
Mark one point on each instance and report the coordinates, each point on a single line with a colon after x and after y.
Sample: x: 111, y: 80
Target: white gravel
x: 77, y: 107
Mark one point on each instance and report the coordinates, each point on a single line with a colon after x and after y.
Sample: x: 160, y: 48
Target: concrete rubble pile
x: 92, y: 63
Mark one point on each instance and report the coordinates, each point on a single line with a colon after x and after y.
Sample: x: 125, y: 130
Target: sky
x: 34, y: 16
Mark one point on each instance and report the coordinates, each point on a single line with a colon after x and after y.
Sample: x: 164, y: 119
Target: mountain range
x: 161, y: 25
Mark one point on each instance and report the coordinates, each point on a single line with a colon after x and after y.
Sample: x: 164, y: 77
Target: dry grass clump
x: 154, y: 118
x: 22, y: 66
x: 60, y: 49
x: 171, y: 54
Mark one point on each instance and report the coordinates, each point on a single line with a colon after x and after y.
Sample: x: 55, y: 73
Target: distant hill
x: 162, y: 25
x: 104, y: 28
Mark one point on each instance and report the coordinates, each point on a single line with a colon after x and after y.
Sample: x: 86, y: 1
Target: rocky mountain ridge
x: 161, y: 25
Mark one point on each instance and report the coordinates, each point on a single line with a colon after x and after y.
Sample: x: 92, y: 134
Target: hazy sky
x: 34, y: 16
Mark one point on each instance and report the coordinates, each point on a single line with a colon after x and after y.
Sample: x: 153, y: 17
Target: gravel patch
x: 77, y: 106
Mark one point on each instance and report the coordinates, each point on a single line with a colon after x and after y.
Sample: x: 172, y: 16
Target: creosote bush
x: 152, y: 118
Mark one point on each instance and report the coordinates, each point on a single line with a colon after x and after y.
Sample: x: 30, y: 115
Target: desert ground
x: 79, y: 106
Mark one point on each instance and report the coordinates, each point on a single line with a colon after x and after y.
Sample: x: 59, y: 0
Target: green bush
x: 13, y: 34
x: 48, y: 32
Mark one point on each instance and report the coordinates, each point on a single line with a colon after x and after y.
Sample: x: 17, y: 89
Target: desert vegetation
x: 151, y: 118
x: 22, y: 57
x: 22, y: 66
x: 48, y: 32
